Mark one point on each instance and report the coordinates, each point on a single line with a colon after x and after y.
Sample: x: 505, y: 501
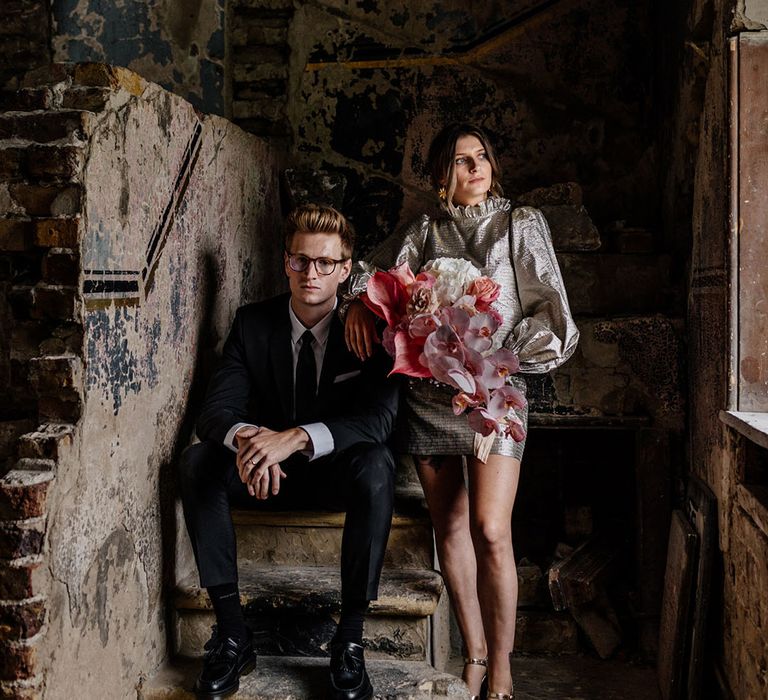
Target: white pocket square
x: 345, y: 376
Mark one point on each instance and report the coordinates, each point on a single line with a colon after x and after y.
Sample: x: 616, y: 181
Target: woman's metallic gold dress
x: 513, y: 247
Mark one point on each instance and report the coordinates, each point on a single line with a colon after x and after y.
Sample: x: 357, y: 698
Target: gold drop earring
x: 442, y: 193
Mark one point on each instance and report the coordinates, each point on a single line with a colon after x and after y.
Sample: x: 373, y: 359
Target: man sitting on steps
x: 293, y: 419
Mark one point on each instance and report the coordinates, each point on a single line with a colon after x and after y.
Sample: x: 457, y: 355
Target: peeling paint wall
x: 181, y: 227
x: 179, y: 45
x: 564, y: 88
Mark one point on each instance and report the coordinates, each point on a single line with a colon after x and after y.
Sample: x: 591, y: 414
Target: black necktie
x: 306, y: 379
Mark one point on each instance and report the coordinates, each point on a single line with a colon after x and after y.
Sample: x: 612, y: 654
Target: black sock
x: 350, y: 627
x: 229, y: 614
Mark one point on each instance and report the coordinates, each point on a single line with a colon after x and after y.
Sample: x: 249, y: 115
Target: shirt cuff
x: 320, y: 438
x: 229, y: 438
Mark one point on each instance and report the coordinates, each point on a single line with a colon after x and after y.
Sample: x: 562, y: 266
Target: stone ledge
x: 293, y: 678
x: 410, y: 593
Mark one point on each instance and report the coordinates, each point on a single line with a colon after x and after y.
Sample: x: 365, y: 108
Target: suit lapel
x: 281, y: 357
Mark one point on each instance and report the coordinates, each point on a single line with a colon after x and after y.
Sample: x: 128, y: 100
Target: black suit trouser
x: 358, y: 480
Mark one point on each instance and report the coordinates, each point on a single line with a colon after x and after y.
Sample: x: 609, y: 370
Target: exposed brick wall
x: 260, y: 55
x: 25, y: 37
x: 80, y: 516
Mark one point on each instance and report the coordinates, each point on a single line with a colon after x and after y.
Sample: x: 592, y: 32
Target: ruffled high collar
x: 478, y: 211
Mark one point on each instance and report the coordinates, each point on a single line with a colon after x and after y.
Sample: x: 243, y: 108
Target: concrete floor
x: 577, y: 677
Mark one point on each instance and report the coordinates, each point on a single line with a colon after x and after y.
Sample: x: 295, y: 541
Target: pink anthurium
x: 403, y: 274
x: 407, y: 354
x: 386, y: 296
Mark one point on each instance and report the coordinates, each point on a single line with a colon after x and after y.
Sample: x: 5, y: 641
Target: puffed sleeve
x: 405, y: 245
x: 547, y: 335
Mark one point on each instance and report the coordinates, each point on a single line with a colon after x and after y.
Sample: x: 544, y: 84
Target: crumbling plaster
x: 111, y: 517
x: 179, y: 45
x: 558, y: 110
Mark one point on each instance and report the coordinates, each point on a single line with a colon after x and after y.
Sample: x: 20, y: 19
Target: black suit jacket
x: 254, y: 381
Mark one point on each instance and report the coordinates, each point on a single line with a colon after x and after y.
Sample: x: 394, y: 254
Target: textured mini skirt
x: 426, y: 423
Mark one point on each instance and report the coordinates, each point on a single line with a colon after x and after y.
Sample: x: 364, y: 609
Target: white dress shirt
x: 320, y: 438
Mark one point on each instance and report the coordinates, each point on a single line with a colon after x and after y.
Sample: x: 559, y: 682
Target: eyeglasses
x: 324, y: 266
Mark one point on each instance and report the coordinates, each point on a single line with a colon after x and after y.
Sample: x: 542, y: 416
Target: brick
x: 22, y: 578
x: 12, y: 161
x: 261, y: 88
x: 92, y: 99
x: 47, y: 442
x: 26, y: 689
x: 55, y: 302
x: 270, y: 108
x: 57, y: 233
x: 53, y: 162
x: 61, y: 266
x: 10, y: 431
x: 21, y: 619
x: 21, y: 538
x: 250, y: 35
x: 247, y: 71
x: 46, y: 200
x: 43, y: 127
x: 19, y: 659
x: 263, y: 55
x: 21, y: 299
x: 55, y: 408
x: 23, y: 494
x: 15, y: 235
x: 59, y: 375
x: 26, y: 99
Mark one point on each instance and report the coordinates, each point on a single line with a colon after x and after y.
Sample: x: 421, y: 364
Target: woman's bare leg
x: 442, y: 479
x: 492, y: 490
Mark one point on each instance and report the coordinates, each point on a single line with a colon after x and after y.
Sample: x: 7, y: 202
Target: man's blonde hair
x: 316, y: 218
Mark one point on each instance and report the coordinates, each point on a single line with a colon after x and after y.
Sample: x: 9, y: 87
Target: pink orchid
x: 456, y: 318
x: 483, y: 422
x: 479, y: 334
x: 514, y: 428
x: 466, y: 303
x: 444, y: 342
x: 505, y: 362
x: 506, y: 398
x: 451, y: 371
x: 462, y: 401
x: 423, y: 325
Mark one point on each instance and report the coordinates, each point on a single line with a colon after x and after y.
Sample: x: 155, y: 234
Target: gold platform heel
x: 502, y: 696
x: 484, y: 682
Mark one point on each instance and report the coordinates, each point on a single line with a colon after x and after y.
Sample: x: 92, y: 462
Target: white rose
x: 453, y: 276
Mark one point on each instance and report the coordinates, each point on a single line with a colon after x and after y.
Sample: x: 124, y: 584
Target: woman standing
x: 472, y: 522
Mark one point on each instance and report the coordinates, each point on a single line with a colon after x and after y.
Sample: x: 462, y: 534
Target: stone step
x: 293, y: 611
x: 301, y: 678
x: 313, y: 538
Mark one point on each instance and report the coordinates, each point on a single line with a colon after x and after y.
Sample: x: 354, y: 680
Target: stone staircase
x: 290, y: 588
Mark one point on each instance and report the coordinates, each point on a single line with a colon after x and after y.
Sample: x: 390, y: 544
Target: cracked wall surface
x: 564, y: 89
x: 178, y: 225
x: 179, y: 45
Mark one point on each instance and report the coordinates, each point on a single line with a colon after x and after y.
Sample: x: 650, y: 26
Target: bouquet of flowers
x: 440, y: 325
